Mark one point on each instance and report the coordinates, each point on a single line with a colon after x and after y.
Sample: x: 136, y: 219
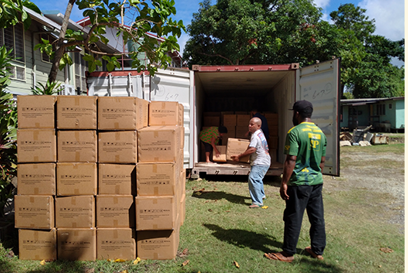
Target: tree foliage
x: 278, y: 31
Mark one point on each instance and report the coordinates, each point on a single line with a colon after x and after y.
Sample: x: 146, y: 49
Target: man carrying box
x: 260, y: 162
x: 210, y: 137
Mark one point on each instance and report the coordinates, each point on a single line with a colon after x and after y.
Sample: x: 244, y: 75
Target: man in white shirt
x: 260, y: 162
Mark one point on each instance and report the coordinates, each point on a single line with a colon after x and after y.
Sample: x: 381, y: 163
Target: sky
x: 388, y: 15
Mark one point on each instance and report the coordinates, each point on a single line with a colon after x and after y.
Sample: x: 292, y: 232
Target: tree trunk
x: 60, y: 49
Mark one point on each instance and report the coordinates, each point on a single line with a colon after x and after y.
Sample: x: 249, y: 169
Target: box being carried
x: 237, y: 146
x: 223, y: 154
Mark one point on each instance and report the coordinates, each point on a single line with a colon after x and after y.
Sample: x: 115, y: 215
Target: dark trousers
x: 301, y: 198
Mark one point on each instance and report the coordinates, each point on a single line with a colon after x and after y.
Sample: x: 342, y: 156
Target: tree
x: 366, y: 68
x: 248, y: 31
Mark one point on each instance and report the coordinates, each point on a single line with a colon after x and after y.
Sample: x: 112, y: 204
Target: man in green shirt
x: 302, y: 184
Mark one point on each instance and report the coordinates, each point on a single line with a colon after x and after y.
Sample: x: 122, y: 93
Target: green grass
x: 220, y: 229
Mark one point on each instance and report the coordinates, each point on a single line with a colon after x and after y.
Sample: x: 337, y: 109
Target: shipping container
x: 236, y: 89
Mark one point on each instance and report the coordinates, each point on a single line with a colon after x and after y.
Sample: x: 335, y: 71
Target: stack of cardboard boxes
x: 77, y: 177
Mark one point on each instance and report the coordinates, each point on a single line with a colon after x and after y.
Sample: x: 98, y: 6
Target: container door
x: 320, y: 84
x: 175, y: 84
x: 117, y: 85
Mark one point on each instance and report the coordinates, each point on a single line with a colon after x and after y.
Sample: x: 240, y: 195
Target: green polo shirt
x: 308, y: 143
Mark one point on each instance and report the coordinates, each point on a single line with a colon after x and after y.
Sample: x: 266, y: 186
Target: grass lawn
x: 220, y: 229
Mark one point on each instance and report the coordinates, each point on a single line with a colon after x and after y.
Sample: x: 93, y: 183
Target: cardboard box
x: 117, y: 179
x: 274, y: 155
x: 164, y: 113
x: 156, y: 179
x: 183, y: 209
x: 117, y: 147
x: 158, y: 144
x: 76, y: 244
x: 76, y: 179
x: 36, y: 145
x: 241, y: 131
x: 183, y: 179
x: 223, y: 154
x: 243, y: 120
x: 122, y: 113
x: 273, y: 130
x: 34, y: 211
x: 181, y: 115
x: 37, y: 244
x: 229, y: 120
x: 237, y: 146
x: 273, y: 142
x: 230, y: 134
x: 155, y: 212
x: 209, y: 121
x: 115, y: 211
x: 36, y: 179
x: 75, y: 211
x: 76, y: 112
x: 182, y: 136
x: 271, y: 118
x: 115, y: 243
x: 36, y: 112
x: 157, y: 245
x: 77, y: 146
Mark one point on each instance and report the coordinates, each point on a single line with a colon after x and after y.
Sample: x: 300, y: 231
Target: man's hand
x: 235, y: 157
x: 283, y: 191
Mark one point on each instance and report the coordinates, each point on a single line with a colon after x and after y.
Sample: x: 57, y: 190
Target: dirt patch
x: 378, y: 174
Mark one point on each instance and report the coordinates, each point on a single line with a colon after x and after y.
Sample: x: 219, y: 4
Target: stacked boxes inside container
x: 237, y: 126
x: 78, y: 164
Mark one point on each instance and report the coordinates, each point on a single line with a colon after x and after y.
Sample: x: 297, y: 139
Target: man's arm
x: 322, y: 161
x: 288, y: 167
x: 248, y: 151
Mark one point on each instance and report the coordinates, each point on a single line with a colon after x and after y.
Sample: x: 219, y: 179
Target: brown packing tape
x: 35, y: 235
x: 156, y: 159
x: 115, y: 223
x: 78, y: 156
x: 117, y: 189
x: 115, y: 200
x: 77, y: 136
x: 36, y: 159
x: 154, y: 168
x: 155, y: 226
x: 117, y: 158
x: 74, y: 225
x: 76, y: 191
x: 36, y: 191
x: 76, y: 101
x: 156, y: 190
x: 155, y: 134
x: 35, y: 134
x: 163, y: 105
x: 37, y: 257
x: 117, y: 136
x: 116, y: 125
x: 155, y: 201
x: 115, y: 234
x: 76, y: 232
x: 75, y: 166
x: 73, y: 201
x: 32, y: 199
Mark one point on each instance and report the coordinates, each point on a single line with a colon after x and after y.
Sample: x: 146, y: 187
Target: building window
x: 380, y: 109
x: 44, y: 56
x: 80, y: 67
x: 390, y: 106
x: 13, y: 39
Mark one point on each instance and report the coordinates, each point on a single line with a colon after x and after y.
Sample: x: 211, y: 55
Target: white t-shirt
x: 261, y: 156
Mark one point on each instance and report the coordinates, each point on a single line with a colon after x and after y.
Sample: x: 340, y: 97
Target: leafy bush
x: 8, y: 132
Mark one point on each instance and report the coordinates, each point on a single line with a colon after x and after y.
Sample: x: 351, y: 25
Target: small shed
x: 384, y: 114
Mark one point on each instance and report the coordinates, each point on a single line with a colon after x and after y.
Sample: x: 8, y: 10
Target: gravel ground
x: 370, y: 177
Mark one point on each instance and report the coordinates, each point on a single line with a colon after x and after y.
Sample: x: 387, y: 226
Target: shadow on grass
x: 61, y: 266
x: 266, y: 243
x: 218, y: 195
